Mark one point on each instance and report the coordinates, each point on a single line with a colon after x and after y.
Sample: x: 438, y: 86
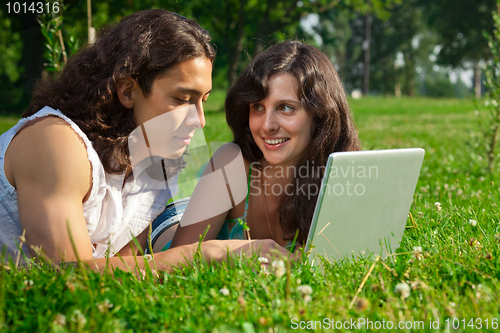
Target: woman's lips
x: 275, y: 146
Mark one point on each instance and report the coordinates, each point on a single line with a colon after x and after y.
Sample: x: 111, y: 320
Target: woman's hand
x: 216, y: 250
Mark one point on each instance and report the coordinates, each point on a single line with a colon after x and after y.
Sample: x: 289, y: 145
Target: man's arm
x: 47, y: 164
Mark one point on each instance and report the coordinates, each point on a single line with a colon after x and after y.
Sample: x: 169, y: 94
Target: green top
x: 241, y: 223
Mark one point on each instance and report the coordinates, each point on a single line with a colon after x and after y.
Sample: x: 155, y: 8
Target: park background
x: 424, y: 75
x: 381, y: 47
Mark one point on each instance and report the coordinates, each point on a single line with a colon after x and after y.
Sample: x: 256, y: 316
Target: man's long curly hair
x: 143, y: 46
x: 321, y: 93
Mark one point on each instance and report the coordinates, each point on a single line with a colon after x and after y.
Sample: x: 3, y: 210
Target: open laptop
x: 363, y: 203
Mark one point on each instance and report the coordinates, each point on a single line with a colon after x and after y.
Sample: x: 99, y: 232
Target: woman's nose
x: 270, y: 121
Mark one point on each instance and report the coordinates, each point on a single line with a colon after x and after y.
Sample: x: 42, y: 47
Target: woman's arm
x: 212, y: 251
x: 195, y: 221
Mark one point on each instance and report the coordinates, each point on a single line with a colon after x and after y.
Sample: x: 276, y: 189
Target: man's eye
x: 183, y: 101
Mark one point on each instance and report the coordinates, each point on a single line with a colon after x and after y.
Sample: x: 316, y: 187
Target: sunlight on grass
x: 446, y: 268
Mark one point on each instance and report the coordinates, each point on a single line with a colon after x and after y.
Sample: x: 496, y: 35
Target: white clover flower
x: 60, y: 320
x: 438, y: 206
x: 417, y: 252
x: 494, y: 102
x: 486, y: 102
x: 307, y: 298
x: 224, y: 291
x: 402, y: 289
x: 479, y: 291
x: 105, y: 305
x: 79, y: 318
x: 472, y: 222
x: 305, y: 289
x: 147, y: 257
x: 263, y: 260
x: 279, y: 268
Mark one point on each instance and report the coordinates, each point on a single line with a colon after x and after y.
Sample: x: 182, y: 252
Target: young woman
x: 65, y: 172
x: 288, y: 112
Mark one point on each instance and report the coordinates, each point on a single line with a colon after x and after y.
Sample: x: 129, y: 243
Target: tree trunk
x: 32, y: 58
x: 234, y: 56
x: 477, y: 79
x: 366, y: 48
x: 409, y: 82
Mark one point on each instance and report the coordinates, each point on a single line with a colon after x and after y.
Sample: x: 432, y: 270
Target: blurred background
x: 379, y: 47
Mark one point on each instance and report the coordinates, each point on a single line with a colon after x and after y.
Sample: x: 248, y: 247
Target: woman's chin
x: 273, y: 161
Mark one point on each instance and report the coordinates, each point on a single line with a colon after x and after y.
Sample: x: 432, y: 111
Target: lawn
x: 445, y: 274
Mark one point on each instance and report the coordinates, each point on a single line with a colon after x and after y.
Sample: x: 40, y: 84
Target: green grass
x: 456, y: 278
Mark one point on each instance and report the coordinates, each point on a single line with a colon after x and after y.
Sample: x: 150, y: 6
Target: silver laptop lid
x: 364, y: 202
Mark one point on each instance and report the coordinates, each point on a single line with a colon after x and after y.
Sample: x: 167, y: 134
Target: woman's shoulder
x: 229, y: 154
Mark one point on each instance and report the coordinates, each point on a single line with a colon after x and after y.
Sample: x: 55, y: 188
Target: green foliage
x: 9, y: 50
x: 492, y: 85
x: 455, y: 275
x: 461, y: 89
x: 459, y: 26
x: 57, y: 50
x: 10, y: 71
x: 438, y: 84
x: 54, y: 54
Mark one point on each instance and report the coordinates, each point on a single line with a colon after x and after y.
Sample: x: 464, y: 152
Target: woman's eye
x: 286, y: 108
x: 257, y: 107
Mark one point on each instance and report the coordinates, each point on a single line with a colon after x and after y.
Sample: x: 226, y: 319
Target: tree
x: 492, y: 73
x: 242, y: 28
x: 10, y: 70
x: 459, y: 25
x: 401, y: 44
x: 346, y: 34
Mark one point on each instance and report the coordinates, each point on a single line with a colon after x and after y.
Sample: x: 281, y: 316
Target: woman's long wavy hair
x: 321, y: 93
x: 143, y: 46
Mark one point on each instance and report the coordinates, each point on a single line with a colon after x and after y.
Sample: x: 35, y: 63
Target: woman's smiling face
x: 279, y: 124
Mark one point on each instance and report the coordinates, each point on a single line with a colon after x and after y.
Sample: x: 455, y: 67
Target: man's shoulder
x: 48, y: 148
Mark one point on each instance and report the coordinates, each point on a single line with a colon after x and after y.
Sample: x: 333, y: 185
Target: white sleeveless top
x: 115, y: 211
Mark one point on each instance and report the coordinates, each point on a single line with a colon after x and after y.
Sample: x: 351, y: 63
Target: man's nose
x: 196, y: 116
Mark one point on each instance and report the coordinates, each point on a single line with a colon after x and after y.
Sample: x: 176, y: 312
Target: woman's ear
x: 124, y: 91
